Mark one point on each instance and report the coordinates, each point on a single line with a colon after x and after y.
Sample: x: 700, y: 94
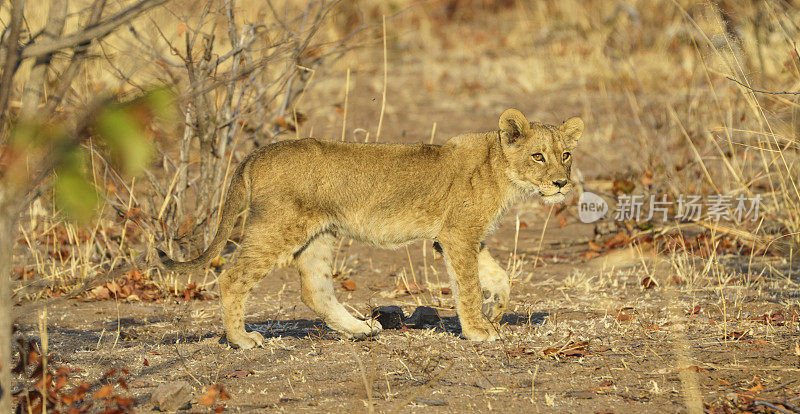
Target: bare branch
x: 93, y: 32
x: 760, y: 90
x: 32, y: 91
x: 75, y: 63
x: 12, y: 58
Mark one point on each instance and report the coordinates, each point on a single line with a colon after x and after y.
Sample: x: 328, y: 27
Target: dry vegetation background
x: 678, y: 97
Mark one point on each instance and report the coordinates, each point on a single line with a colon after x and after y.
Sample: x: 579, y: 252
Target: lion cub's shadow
x: 316, y: 328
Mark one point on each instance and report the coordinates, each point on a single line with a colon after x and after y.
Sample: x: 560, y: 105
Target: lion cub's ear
x: 513, y: 125
x: 572, y: 129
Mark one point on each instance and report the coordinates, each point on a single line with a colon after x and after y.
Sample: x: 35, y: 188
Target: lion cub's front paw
x: 481, y: 334
x: 357, y: 329
x: 494, y: 305
x: 246, y: 340
x: 363, y: 329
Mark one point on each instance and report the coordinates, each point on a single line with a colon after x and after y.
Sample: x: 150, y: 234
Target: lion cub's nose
x: 560, y: 183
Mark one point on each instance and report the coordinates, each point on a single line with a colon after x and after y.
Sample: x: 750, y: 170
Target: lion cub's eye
x: 538, y: 157
x: 565, y: 156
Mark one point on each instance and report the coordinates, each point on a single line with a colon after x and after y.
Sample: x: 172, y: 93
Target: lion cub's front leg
x: 462, y: 265
x: 495, y: 286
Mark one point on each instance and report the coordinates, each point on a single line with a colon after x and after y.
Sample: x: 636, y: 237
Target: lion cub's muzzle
x: 555, y: 191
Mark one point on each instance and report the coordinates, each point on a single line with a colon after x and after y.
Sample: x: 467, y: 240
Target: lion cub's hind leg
x: 265, y: 245
x: 235, y: 285
x: 316, y: 280
x: 495, y: 286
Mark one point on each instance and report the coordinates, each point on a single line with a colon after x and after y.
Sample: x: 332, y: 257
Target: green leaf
x: 125, y: 138
x: 161, y: 102
x: 75, y: 195
x: 29, y: 135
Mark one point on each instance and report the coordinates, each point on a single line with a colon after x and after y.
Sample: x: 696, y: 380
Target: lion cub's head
x: 539, y: 155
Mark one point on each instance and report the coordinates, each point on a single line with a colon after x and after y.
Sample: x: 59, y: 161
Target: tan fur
x: 304, y: 194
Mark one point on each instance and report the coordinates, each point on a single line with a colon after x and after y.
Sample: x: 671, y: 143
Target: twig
x: 185, y: 367
x: 627, y: 397
x: 43, y: 333
x: 761, y: 90
x: 93, y: 32
x: 367, y: 385
x: 111, y: 275
x: 422, y: 387
x: 773, y: 406
x: 541, y: 240
x: 781, y: 385
x: 346, y: 95
x: 744, y: 236
x: 385, y: 79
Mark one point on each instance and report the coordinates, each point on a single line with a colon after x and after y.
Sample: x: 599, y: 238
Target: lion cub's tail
x: 238, y: 194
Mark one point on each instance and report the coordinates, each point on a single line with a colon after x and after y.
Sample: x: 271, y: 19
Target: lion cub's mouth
x: 556, y: 197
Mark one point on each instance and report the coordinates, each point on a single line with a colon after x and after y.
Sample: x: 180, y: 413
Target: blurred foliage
x: 122, y: 129
x: 75, y: 194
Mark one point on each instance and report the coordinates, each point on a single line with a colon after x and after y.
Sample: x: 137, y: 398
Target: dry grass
x: 671, y: 100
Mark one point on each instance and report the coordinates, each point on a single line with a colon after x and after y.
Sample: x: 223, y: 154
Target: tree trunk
x: 6, y: 243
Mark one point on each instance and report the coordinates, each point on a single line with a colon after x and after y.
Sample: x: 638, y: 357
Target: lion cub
x: 302, y: 195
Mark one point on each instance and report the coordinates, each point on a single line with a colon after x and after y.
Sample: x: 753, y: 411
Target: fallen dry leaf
x: 578, y: 349
x: 61, y: 380
x: 218, y: 262
x: 213, y: 392
x: 590, y: 254
x: 349, y: 285
x: 103, y: 392
x: 101, y: 293
x: 647, y: 178
x: 756, y: 388
x: 695, y: 368
x: 405, y: 290
x: 737, y: 335
x: 133, y: 213
x: 648, y: 282
x: 209, y: 397
x: 775, y: 319
x: 623, y: 317
x: 619, y: 239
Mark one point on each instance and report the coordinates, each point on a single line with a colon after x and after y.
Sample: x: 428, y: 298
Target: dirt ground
x: 583, y: 334
x: 639, y: 341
